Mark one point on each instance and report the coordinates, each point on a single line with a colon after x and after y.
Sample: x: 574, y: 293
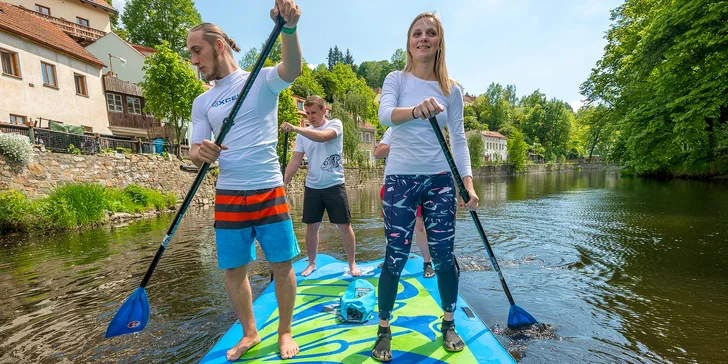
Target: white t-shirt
x: 251, y: 161
x: 414, y: 148
x: 325, y: 167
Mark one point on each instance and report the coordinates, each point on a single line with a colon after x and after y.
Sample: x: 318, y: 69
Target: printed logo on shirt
x: 331, y: 163
x: 224, y: 101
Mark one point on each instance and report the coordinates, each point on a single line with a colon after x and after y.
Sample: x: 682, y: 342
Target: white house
x: 124, y: 58
x: 48, y: 75
x: 495, y: 145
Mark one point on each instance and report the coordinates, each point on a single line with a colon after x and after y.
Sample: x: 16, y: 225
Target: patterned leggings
x: 402, y: 195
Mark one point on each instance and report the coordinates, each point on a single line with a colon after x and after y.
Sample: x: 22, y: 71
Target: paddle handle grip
x: 466, y: 197
x: 224, y: 129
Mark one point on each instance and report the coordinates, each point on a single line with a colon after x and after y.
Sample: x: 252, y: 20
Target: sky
x: 534, y: 44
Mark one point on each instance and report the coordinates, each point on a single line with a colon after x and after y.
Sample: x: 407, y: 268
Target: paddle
x: 283, y: 170
x: 285, y: 154
x: 134, y: 313
x: 517, y: 317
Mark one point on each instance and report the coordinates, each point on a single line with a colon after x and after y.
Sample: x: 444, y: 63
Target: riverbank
x: 166, y: 175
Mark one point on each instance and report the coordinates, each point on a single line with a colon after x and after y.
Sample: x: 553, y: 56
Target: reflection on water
x: 622, y: 270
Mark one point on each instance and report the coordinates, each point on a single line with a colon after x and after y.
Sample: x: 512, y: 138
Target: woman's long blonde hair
x: 440, y: 67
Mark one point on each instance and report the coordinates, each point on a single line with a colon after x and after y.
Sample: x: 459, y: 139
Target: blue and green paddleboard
x: 323, y: 339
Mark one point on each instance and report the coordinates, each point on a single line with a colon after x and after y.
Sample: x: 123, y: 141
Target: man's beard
x: 215, y: 68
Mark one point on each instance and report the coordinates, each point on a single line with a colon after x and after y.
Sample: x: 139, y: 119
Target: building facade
x: 47, y: 75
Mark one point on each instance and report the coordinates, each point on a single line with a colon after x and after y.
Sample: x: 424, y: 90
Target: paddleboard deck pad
x: 322, y: 338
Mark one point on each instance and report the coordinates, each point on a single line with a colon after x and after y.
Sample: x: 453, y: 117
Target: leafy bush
x: 73, y: 205
x: 13, y: 208
x: 85, y: 199
x: 117, y: 201
x: 16, y: 147
x: 73, y: 150
x: 137, y: 194
x: 52, y: 213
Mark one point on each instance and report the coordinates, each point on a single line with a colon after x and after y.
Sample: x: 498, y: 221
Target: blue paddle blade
x: 132, y: 316
x: 518, y: 318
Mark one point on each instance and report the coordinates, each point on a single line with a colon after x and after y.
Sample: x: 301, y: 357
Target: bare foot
x: 354, y: 270
x: 288, y: 347
x: 242, y: 347
x: 308, y: 270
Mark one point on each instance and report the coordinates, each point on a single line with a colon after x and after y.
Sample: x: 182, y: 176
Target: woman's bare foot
x: 354, y: 270
x: 308, y: 270
x: 242, y: 347
x: 288, y: 347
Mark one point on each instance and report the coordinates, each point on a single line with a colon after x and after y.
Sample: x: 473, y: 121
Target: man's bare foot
x: 354, y: 270
x: 242, y: 347
x: 308, y: 270
x: 288, y: 347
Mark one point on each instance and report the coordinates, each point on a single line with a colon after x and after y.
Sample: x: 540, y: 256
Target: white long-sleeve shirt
x: 414, y: 148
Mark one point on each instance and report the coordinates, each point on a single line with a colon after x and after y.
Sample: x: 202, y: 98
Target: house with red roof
x: 494, y: 143
x: 46, y: 73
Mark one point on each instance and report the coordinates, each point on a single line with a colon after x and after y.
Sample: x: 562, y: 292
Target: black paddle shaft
x: 466, y: 197
x: 227, y: 124
x: 285, y: 154
x: 283, y: 170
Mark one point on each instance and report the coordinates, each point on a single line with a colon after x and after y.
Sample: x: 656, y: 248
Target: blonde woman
x: 417, y: 173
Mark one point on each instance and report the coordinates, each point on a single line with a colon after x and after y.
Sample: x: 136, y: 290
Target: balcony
x: 135, y: 121
x: 82, y: 34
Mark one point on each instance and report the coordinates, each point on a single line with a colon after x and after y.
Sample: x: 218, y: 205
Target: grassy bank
x: 76, y: 205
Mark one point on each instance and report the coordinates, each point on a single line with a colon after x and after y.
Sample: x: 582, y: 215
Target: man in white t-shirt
x: 250, y: 201
x: 323, y: 143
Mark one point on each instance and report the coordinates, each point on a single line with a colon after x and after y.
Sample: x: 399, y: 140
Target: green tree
x: 663, y: 79
x: 150, y: 22
x: 169, y: 88
x: 305, y: 85
x: 471, y: 123
x: 327, y: 81
x: 335, y: 57
x: 371, y: 72
x: 287, y: 113
x: 598, y: 129
x: 352, y: 153
x: 251, y: 56
x: 115, y: 26
x: 517, y: 150
x: 359, y: 99
x: 399, y: 59
x: 476, y: 147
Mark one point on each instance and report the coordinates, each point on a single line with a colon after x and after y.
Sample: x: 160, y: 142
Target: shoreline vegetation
x: 79, y: 205
x: 76, y: 206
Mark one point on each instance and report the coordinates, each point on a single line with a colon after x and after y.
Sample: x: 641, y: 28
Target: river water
x: 621, y: 269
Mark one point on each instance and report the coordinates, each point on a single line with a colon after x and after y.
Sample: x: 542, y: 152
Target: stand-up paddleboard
x: 322, y: 338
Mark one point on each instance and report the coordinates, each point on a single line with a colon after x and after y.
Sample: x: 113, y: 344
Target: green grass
x: 76, y: 205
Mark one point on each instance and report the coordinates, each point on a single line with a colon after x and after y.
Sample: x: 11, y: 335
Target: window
x: 113, y: 102
x: 87, y: 129
x: 10, y: 63
x: 80, y: 81
x: 82, y: 21
x: 49, y: 75
x: 134, y: 105
x: 369, y: 137
x: 42, y: 9
x: 300, y: 105
x: 17, y: 119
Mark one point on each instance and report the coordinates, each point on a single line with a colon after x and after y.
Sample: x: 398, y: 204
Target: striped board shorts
x: 243, y: 216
